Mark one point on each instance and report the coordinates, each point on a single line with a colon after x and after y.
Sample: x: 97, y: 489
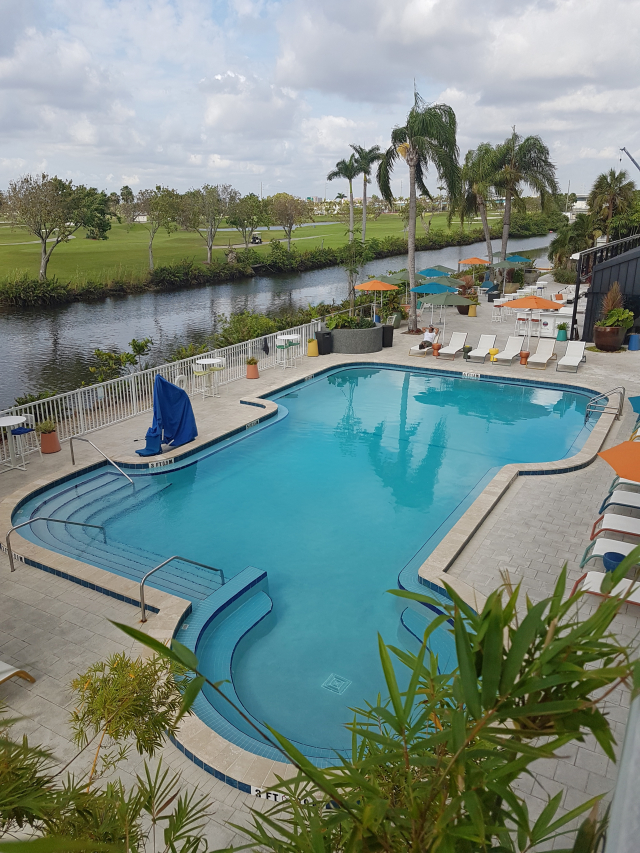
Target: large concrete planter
x: 357, y: 340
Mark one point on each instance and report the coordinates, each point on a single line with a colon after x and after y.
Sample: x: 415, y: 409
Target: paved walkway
x: 55, y: 629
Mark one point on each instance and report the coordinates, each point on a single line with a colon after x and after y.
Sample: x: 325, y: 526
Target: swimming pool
x: 354, y: 484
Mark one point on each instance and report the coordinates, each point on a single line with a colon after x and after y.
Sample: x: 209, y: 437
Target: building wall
x: 625, y: 269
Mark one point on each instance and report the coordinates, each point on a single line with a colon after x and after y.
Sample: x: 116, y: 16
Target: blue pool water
x: 364, y: 472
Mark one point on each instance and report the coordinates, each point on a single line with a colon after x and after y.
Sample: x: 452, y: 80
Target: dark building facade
x: 625, y: 269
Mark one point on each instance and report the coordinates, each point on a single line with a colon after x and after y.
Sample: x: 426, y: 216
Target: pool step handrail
x: 143, y: 611
x: 600, y: 403
x: 101, y: 452
x: 43, y: 518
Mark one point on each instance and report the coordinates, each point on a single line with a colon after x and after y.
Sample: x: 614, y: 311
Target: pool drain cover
x: 336, y: 683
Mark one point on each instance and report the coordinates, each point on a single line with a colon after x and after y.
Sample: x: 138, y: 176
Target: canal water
x: 51, y: 347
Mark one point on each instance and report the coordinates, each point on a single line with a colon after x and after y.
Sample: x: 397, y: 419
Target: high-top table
x: 211, y: 367
x: 7, y: 423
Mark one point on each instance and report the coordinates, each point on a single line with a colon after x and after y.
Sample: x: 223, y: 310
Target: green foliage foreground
x: 432, y: 768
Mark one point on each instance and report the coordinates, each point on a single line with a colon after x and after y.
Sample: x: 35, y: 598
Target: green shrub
x: 564, y: 276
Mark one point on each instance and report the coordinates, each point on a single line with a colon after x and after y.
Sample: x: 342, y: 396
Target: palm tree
x: 366, y: 157
x: 349, y: 170
x: 429, y: 136
x: 522, y: 161
x: 570, y: 238
x: 477, y: 172
x: 612, y: 191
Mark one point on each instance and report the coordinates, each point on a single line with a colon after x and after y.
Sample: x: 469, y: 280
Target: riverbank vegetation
x: 25, y: 289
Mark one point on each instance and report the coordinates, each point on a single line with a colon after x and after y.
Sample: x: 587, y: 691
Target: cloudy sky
x: 183, y: 92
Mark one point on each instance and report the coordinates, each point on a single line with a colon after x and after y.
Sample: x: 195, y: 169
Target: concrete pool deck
x: 545, y: 522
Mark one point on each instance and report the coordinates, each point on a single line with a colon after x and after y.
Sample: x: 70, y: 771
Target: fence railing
x: 88, y: 409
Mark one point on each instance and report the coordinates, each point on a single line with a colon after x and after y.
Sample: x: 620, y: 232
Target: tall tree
x: 53, y: 210
x: 521, y: 162
x: 428, y: 137
x: 349, y: 171
x: 612, y: 193
x: 162, y: 207
x: 366, y: 158
x: 204, y: 209
x: 477, y: 172
x: 287, y: 211
x: 570, y: 238
x: 248, y: 213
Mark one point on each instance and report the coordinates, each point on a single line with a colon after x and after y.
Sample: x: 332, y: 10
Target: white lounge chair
x: 573, y: 356
x: 592, y: 582
x: 543, y: 355
x: 481, y: 352
x: 612, y: 523
x: 601, y: 546
x: 618, y: 497
x: 7, y: 671
x: 458, y: 340
x: 511, y: 351
x: 415, y: 350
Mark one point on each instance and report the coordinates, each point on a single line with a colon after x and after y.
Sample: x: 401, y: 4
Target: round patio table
x: 212, y: 365
x: 7, y: 423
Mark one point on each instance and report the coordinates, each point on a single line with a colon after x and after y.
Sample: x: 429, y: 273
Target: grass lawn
x: 126, y: 250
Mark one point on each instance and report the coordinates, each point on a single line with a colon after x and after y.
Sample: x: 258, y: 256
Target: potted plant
x: 47, y: 430
x: 252, y: 367
x: 466, y: 288
x: 615, y: 319
x: 312, y: 347
x: 561, y: 329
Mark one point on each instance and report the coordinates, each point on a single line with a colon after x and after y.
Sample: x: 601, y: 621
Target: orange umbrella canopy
x: 624, y: 459
x: 474, y: 261
x: 374, y: 284
x: 533, y: 303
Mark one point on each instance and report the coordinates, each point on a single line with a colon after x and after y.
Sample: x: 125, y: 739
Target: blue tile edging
x: 80, y: 581
x: 228, y: 780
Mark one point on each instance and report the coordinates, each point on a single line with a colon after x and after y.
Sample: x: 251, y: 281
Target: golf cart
x: 256, y: 238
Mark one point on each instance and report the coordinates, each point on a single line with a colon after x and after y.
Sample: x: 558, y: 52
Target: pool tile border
x: 199, y: 743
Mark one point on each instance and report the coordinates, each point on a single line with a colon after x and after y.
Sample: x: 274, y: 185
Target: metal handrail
x: 175, y: 557
x: 599, y: 398
x: 43, y: 518
x: 101, y: 452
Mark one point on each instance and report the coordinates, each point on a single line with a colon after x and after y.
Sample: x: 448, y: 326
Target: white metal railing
x: 88, y: 409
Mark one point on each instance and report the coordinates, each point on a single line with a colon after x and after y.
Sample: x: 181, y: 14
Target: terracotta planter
x: 436, y: 349
x: 252, y: 371
x: 608, y: 338
x: 524, y: 356
x: 49, y: 442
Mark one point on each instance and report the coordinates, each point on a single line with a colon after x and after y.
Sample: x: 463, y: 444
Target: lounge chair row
x: 545, y: 352
x: 626, y: 494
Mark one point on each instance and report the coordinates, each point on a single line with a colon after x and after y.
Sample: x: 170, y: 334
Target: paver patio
x: 54, y: 628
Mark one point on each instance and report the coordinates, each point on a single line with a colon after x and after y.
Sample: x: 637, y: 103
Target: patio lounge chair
x: 618, y: 497
x: 7, y: 671
x: 610, y: 522
x: 543, y: 355
x: 458, y: 340
x: 481, y: 352
x: 417, y: 351
x: 573, y: 356
x: 601, y: 546
x: 511, y: 351
x: 592, y: 582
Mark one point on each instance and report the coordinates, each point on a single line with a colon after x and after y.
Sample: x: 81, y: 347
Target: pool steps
x: 127, y: 561
x: 213, y: 631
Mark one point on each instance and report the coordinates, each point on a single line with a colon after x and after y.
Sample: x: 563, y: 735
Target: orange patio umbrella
x: 474, y: 262
x: 376, y: 284
x: 531, y: 304
x: 624, y: 459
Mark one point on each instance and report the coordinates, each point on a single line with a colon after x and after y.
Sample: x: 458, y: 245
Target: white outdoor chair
x: 573, y: 356
x: 543, y: 355
x: 481, y: 352
x: 511, y: 351
x: 415, y: 350
x: 601, y: 546
x: 458, y: 340
x: 619, y: 497
x: 26, y: 437
x: 592, y: 582
x: 613, y: 523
